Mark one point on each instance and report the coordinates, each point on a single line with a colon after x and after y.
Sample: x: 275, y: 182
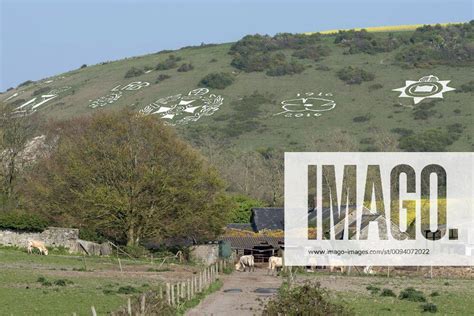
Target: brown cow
x: 38, y: 245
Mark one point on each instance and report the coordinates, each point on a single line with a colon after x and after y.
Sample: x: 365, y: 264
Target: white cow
x: 245, y: 262
x: 38, y: 245
x: 369, y: 270
x: 337, y: 264
x: 274, y: 263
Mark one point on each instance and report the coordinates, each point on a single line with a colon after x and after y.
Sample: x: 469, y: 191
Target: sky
x: 41, y: 38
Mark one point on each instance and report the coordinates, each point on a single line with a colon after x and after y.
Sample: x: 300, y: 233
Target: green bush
x: 170, y: 63
x: 429, y: 45
x: 185, y: 67
x: 375, y: 86
x: 83, y: 66
x: 431, y: 140
x: 354, y: 75
x: 467, y: 87
x: 23, y: 222
x: 285, y: 69
x: 365, y: 42
x: 90, y: 234
x: 387, y: 293
x: 162, y: 77
x: 412, y: 295
x: 435, y: 293
x: 25, y: 83
x: 242, y: 211
x: 217, y: 80
x: 424, y: 111
x: 312, y: 52
x: 429, y: 307
x: 306, y: 299
x: 128, y: 289
x: 134, y: 72
x: 136, y: 251
x: 41, y: 90
x: 402, y: 131
x: 373, y: 289
x: 362, y: 118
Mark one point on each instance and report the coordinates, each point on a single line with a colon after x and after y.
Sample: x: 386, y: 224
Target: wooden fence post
x: 188, y: 289
x: 160, y: 292
x: 129, y: 306
x: 94, y: 313
x: 200, y: 281
x: 142, y: 304
x: 172, y: 295
x: 168, y: 293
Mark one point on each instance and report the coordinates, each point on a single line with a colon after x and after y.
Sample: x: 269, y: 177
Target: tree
x: 243, y: 206
x: 17, y: 150
x: 129, y: 177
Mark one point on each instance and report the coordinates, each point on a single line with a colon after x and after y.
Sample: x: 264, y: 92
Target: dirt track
x: 237, y: 303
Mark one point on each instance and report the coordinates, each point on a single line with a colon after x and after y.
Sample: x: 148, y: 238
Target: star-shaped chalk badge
x: 427, y: 87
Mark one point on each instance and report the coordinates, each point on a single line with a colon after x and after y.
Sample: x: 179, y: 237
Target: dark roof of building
x: 240, y: 226
x: 249, y: 242
x: 269, y: 218
x: 273, y: 218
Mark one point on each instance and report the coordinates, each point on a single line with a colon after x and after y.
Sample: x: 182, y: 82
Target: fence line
x: 175, y: 293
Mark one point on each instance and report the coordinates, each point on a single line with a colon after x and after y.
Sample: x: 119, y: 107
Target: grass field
x: 58, y: 284
x: 453, y: 295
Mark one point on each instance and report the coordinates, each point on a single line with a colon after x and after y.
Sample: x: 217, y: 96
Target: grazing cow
x: 245, y: 262
x: 274, y: 263
x: 336, y: 264
x: 38, y: 245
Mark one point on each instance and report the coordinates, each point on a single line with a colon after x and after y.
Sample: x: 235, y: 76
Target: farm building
x: 262, y: 237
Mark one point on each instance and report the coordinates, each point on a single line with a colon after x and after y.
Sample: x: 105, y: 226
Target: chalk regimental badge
x: 181, y: 109
x: 427, y: 87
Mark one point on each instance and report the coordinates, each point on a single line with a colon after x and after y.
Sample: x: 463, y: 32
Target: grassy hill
x: 367, y: 116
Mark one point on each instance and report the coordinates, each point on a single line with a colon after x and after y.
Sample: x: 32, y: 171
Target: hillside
x: 293, y: 101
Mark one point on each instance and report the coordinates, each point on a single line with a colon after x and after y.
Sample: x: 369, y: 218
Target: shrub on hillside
x: 23, y: 222
x: 41, y: 90
x: 424, y: 111
x: 134, y: 72
x: 430, y: 140
x: 429, y: 307
x: 25, y: 83
x: 254, y: 52
x: 413, y: 295
x: 365, y: 42
x: 451, y: 45
x: 217, y: 80
x: 467, y: 87
x: 306, y: 299
x: 387, y: 293
x: 185, y: 67
x: 170, y: 63
x: 312, y: 52
x: 285, y: 69
x: 162, y: 77
x: 354, y: 75
x: 83, y: 66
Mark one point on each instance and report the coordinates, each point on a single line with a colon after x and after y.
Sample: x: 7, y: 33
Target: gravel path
x: 234, y: 302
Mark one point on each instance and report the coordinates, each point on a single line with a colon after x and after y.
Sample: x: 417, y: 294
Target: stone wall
x: 52, y: 237
x: 207, y: 254
x: 55, y: 237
